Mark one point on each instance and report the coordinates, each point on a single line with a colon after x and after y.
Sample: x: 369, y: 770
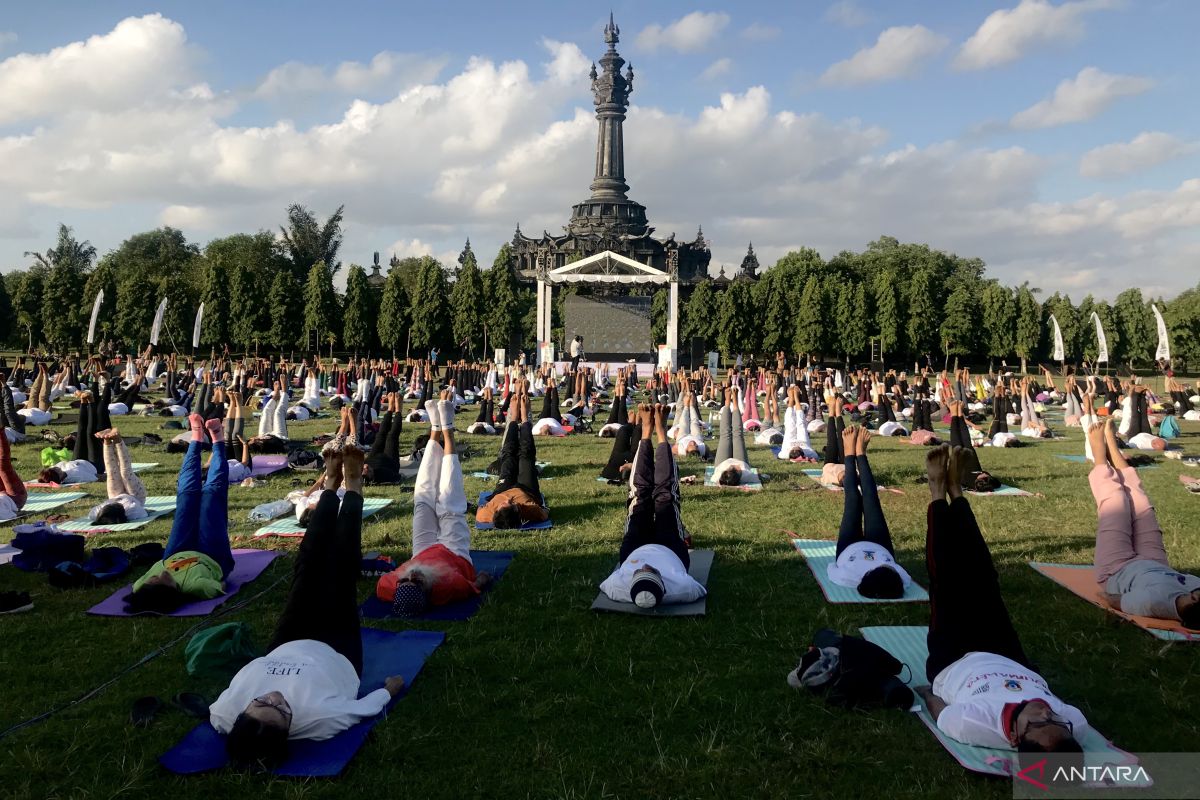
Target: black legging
x: 87, y: 446
x: 966, y: 610
x: 654, y: 507
x: 1141, y: 415
x: 550, y: 405
x: 384, y: 456
x: 486, y: 413
x: 517, y: 464
x: 999, y: 417
x: 323, y: 602
x: 862, y: 515
x: 834, y: 428
x: 622, y: 452
x: 619, y: 413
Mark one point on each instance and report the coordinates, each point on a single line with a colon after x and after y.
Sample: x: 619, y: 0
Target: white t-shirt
x: 610, y: 429
x: 681, y: 446
x: 890, y: 428
x: 78, y: 471
x: 680, y: 587
x: 860, y: 558
x: 547, y: 426
x: 118, y: 409
x: 133, y: 507
x: 238, y: 471
x: 318, y: 682
x: 1142, y: 441
x: 302, y: 502
x: 299, y: 413
x: 979, y: 686
x: 35, y: 416
x: 726, y: 464
x: 1002, y: 438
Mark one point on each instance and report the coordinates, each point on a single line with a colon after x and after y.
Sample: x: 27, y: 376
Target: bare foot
x: 647, y: 420
x: 352, y: 467
x: 196, y: 423
x: 1099, y: 446
x: 849, y: 441
x: 1114, y: 447
x: 954, y: 473
x: 936, y: 462
x: 660, y: 421
x: 864, y: 436
x: 109, y: 435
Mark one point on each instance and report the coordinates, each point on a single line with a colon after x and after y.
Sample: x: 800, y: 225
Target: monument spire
x: 611, y: 90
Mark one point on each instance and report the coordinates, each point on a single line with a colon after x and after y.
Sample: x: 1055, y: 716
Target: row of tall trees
x: 277, y: 291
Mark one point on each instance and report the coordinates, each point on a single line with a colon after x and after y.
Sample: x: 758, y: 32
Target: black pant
x: 87, y: 446
x: 9, y: 410
x: 834, y: 428
x: 384, y: 457
x: 550, y: 405
x: 862, y: 515
x: 486, y: 413
x: 518, y: 460
x: 999, y: 417
x: 622, y: 452
x: 619, y: 413
x: 323, y: 602
x: 966, y: 610
x: 654, y: 507
x: 1141, y: 415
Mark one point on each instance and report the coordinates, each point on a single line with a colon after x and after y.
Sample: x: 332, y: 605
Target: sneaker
x: 15, y: 602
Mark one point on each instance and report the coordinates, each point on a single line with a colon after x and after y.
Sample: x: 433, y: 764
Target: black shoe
x: 15, y: 602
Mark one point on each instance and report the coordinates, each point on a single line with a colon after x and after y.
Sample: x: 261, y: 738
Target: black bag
x: 858, y: 673
x: 305, y: 460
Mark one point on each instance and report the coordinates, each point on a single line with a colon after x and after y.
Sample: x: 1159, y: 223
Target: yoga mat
x: 1003, y: 491
x: 487, y: 476
x: 268, y: 465
x: 138, y: 466
x: 492, y: 561
x: 907, y: 643
x: 247, y: 565
x: 156, y: 506
x: 820, y: 553
x: 701, y: 565
x: 1080, y: 580
x: 7, y: 553
x: 40, y: 503
x: 775, y: 452
x: 385, y: 653
x: 528, y: 526
x: 1077, y: 459
x: 815, y: 476
x: 746, y: 486
x: 290, y: 528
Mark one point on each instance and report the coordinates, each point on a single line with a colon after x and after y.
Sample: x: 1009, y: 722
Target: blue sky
x: 1056, y: 140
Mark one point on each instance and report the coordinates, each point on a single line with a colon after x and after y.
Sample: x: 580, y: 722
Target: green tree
x: 215, y: 329
x: 1108, y: 321
x: 430, y: 317
x: 320, y: 304
x: 887, y: 312
x: 734, y: 334
x: 153, y: 266
x: 1135, y: 324
x: 1064, y: 311
x: 306, y: 240
x: 282, y: 333
x: 358, y: 316
x: 999, y: 319
x: 250, y: 262
x: 7, y: 323
x: 658, y: 316
x: 1182, y: 316
x: 393, y: 312
x: 1029, y: 325
x: 501, y: 308
x: 960, y: 322
x: 27, y: 304
x: 102, y: 278
x: 809, y: 336
x: 66, y: 265
x: 1084, y: 345
x: 921, y: 328
x: 466, y: 299
x: 702, y: 314
x: 852, y: 319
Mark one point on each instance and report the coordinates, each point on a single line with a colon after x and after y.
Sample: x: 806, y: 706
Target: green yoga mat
x: 907, y: 643
x: 820, y: 553
x: 156, y: 506
x: 288, y: 526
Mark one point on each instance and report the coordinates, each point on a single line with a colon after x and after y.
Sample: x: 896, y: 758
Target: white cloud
x: 139, y: 57
x: 1081, y: 98
x: 847, y: 13
x: 717, y: 68
x: 897, y: 53
x: 7, y: 38
x: 1146, y: 150
x: 1008, y: 34
x: 759, y: 32
x: 385, y: 69
x: 496, y: 143
x: 688, y: 34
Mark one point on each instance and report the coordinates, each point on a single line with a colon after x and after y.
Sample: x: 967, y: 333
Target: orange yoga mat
x: 1081, y: 580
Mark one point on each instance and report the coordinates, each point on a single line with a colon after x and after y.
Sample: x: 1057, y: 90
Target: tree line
x: 276, y: 292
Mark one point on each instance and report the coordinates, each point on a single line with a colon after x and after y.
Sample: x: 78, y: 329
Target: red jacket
x: 453, y: 577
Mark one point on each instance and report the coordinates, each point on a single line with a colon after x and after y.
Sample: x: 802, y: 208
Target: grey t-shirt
x: 1148, y: 589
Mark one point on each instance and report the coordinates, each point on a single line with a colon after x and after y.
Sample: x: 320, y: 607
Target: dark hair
x: 251, y: 741
x: 52, y: 475
x: 732, y: 476
x: 111, y: 514
x: 796, y: 452
x: 1067, y: 744
x: 881, y: 583
x: 776, y: 439
x: 303, y: 519
x: 508, y: 516
x: 157, y: 598
x: 1190, y: 616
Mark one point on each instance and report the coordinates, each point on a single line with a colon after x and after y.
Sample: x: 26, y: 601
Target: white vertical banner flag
x: 196, y: 327
x: 95, y: 314
x: 1058, y: 342
x: 158, y: 318
x: 1164, y: 342
x: 1101, y: 341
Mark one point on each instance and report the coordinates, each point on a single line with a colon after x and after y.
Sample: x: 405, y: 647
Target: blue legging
x: 862, y: 516
x: 202, y: 508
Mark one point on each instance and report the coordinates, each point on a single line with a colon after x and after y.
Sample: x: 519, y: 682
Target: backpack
x: 305, y: 460
x: 852, y: 673
x: 1169, y: 429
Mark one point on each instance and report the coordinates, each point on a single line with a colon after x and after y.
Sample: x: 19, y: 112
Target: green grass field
x: 537, y: 696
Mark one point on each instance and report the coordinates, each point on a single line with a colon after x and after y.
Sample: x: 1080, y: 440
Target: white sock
x: 435, y: 419
x: 446, y: 414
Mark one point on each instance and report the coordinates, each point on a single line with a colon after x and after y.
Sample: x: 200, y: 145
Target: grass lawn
x: 537, y: 696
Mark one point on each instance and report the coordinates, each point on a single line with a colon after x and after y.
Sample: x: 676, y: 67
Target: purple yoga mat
x: 247, y: 565
x: 268, y: 465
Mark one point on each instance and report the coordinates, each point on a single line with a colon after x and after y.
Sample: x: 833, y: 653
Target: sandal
x: 144, y: 710
x: 192, y: 704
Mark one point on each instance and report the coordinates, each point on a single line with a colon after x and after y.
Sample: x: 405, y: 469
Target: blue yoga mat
x: 385, y: 653
x: 528, y: 526
x: 493, y: 561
